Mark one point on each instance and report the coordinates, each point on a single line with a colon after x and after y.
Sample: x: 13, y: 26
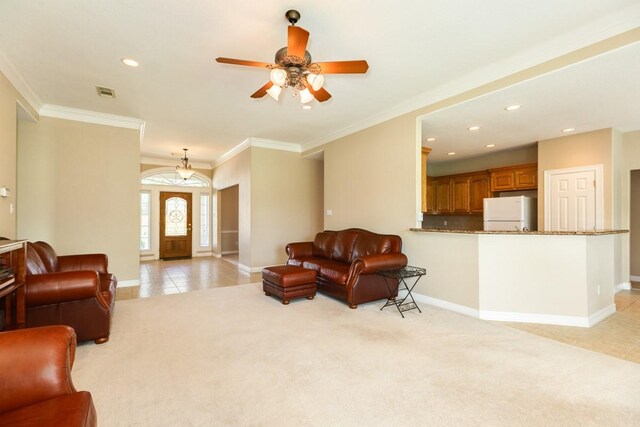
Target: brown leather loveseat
x: 346, y: 263
x: 35, y: 379
x: 74, y: 290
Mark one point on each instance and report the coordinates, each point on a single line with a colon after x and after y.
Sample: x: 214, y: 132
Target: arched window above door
x: 172, y: 178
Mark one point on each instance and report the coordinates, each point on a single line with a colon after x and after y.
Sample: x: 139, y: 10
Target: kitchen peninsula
x: 562, y: 278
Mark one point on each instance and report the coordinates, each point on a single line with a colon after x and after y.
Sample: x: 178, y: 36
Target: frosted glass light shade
x: 305, y: 96
x: 315, y: 80
x: 274, y: 91
x: 184, y: 172
x: 278, y: 77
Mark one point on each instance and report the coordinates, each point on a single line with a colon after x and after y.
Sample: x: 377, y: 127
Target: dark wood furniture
x: 12, y: 290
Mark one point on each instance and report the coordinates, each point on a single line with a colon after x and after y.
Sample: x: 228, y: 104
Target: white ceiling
x: 603, y: 92
x: 418, y: 51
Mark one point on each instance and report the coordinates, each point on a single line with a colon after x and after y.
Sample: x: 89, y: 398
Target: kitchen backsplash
x: 453, y: 222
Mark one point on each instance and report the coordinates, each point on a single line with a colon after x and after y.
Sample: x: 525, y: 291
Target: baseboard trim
x: 602, y: 314
x: 548, y: 319
x: 229, y: 252
x: 128, y: 283
x: 457, y: 308
x: 247, y: 269
x: 201, y: 254
x: 634, y: 278
x: 625, y: 286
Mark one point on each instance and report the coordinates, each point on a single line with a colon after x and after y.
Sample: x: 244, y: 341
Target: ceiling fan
x: 294, y: 68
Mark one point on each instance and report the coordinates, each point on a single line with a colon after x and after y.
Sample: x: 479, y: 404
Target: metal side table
x: 396, y: 281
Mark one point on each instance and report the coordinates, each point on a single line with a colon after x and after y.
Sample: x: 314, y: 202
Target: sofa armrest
x: 299, y: 250
x: 35, y: 365
x: 54, y: 288
x: 95, y: 262
x: 374, y: 263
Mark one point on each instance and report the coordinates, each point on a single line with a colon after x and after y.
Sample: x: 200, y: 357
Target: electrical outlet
x: 11, y: 209
x: 329, y: 212
x: 445, y: 222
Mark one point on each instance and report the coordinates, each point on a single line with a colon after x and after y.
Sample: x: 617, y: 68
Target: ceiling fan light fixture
x: 274, y: 91
x: 315, y: 80
x: 278, y: 77
x: 305, y: 96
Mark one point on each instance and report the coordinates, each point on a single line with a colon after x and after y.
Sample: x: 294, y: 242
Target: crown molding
x: 21, y: 85
x: 260, y: 143
x: 609, y: 26
x: 156, y: 161
x: 86, y: 116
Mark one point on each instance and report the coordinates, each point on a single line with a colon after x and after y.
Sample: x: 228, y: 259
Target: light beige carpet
x: 234, y: 357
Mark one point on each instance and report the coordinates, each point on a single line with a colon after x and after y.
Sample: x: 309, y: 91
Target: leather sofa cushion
x: 343, y: 248
x: 323, y: 244
x: 34, y: 264
x: 47, y: 256
x: 368, y: 244
x: 317, y: 263
x: 335, y: 273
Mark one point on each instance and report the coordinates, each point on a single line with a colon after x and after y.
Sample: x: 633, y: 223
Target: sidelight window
x: 145, y: 220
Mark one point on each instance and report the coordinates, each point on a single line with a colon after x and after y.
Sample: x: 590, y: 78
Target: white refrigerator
x: 511, y: 213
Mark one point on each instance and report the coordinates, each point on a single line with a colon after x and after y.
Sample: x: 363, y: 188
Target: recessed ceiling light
x: 306, y: 107
x: 512, y: 107
x: 568, y: 130
x: 129, y: 62
x: 451, y: 153
x: 474, y: 128
x: 490, y: 145
x: 430, y: 139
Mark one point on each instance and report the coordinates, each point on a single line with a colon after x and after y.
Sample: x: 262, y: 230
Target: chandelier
x: 184, y: 168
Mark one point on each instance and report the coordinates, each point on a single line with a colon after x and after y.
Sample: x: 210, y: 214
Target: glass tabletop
x: 403, y: 273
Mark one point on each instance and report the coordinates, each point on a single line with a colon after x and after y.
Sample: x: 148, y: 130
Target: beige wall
x: 235, y: 171
x: 634, y: 224
x: 630, y: 162
x: 370, y: 178
x: 286, y: 203
x: 9, y: 99
x: 229, y: 218
x: 585, y: 149
x: 518, y: 156
x: 78, y: 186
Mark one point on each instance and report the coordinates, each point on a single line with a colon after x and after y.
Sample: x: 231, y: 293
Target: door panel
x: 175, y: 225
x: 573, y: 201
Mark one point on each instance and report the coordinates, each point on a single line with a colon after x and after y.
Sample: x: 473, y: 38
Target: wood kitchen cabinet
x: 479, y: 189
x: 521, y: 177
x: 431, y: 196
x: 460, y: 194
x: 443, y: 195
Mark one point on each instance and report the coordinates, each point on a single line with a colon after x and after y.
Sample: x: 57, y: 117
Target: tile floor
x: 618, y: 335
x: 171, y: 277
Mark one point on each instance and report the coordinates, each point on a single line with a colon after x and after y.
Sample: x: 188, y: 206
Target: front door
x: 573, y: 201
x: 175, y: 225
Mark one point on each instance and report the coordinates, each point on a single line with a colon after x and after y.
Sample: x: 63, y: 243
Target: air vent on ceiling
x: 105, y: 91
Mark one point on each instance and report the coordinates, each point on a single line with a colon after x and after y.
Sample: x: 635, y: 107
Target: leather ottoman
x: 288, y: 282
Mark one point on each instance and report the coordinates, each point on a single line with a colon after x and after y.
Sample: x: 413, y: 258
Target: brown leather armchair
x: 74, y: 290
x: 35, y: 381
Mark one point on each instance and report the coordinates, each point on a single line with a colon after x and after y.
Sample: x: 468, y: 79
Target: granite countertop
x: 536, y: 233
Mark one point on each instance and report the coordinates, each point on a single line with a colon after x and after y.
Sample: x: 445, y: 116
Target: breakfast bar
x: 563, y: 278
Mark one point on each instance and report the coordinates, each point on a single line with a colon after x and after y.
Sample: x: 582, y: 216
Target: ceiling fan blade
x: 321, y: 94
x: 297, y: 41
x: 343, y: 67
x: 262, y: 91
x: 243, y: 62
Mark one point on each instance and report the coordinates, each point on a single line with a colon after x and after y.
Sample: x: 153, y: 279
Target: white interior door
x: 572, y: 197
